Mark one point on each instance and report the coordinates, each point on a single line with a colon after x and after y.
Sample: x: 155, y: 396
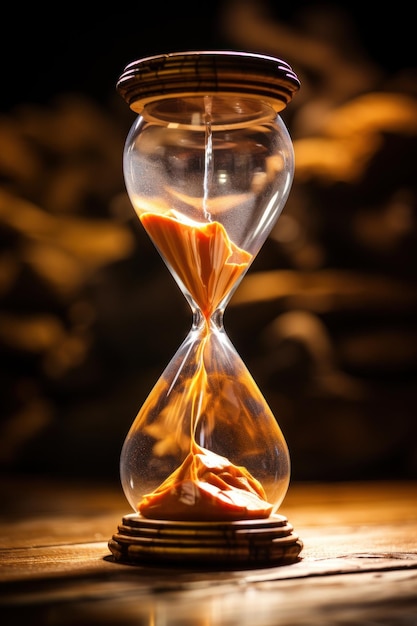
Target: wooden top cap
x: 181, y: 74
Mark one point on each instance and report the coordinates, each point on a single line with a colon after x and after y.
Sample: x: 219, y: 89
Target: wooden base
x: 243, y: 543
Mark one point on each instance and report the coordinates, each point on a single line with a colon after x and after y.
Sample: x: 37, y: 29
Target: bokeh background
x: 324, y: 320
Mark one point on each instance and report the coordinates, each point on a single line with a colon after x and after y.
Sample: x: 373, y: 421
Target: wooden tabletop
x: 358, y: 564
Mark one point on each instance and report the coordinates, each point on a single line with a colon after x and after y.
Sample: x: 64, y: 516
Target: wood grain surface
x: 358, y: 564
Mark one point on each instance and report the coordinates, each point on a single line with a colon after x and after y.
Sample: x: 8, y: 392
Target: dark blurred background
x: 325, y: 319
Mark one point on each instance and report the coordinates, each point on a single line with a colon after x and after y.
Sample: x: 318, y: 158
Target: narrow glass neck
x: 203, y: 324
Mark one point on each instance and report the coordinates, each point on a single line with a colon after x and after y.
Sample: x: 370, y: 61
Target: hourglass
x: 208, y: 166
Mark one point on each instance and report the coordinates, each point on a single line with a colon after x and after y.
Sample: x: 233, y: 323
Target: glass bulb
x: 208, y: 165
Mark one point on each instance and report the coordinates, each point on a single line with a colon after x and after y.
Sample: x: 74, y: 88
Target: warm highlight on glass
x: 208, y: 165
